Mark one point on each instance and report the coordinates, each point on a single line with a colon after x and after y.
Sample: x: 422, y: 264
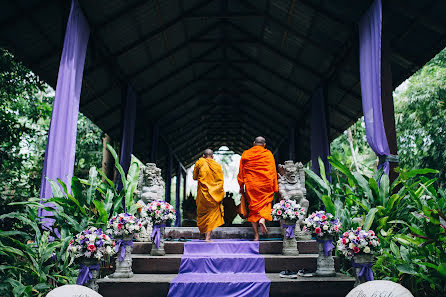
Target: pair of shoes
x: 305, y: 273
x: 288, y: 274
x: 168, y: 238
x: 182, y: 239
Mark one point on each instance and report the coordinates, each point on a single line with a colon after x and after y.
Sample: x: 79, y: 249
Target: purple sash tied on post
x: 156, y: 234
x: 289, y: 230
x: 121, y: 244
x: 366, y: 270
x: 85, y: 275
x: 328, y: 245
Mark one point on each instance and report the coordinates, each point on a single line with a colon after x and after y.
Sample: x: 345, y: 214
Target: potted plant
x: 288, y: 212
x: 360, y: 247
x: 123, y: 227
x: 324, y: 226
x: 89, y: 247
x: 160, y: 213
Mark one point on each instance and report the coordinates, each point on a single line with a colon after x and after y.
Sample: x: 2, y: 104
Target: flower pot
x: 362, y: 267
x: 124, y: 248
x: 158, y: 231
x: 88, y: 273
x: 289, y: 247
x: 325, y: 260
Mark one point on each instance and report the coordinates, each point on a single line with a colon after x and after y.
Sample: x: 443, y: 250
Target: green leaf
x: 118, y: 166
x: 329, y: 206
x: 108, y: 202
x: 369, y: 219
x: 384, y: 190
x: 92, y: 180
x: 364, y: 185
x: 317, y: 180
x: 395, y: 250
x: 55, y: 188
x: 442, y: 269
x: 101, y: 210
x: 407, y: 269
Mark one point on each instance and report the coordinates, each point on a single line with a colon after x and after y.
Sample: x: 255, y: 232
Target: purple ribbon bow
x: 85, y: 274
x: 328, y: 245
x: 289, y: 230
x: 366, y: 270
x: 121, y: 244
x: 156, y: 234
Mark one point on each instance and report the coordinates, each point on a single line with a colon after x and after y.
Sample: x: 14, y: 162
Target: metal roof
x: 220, y: 72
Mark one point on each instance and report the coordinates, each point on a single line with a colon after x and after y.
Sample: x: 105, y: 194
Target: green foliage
x: 408, y: 216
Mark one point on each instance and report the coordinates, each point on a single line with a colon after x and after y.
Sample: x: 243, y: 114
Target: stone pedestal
x: 325, y: 264
x: 361, y: 259
x: 289, y: 247
x: 124, y: 267
x: 92, y: 284
x: 158, y: 251
x: 146, y: 230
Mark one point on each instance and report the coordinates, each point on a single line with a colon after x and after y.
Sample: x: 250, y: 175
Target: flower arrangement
x: 91, y: 243
x: 287, y: 210
x: 123, y: 224
x: 160, y: 212
x: 353, y: 242
x: 321, y: 223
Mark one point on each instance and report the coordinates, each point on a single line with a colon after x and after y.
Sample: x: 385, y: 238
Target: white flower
x: 366, y: 250
x: 316, y: 219
x: 325, y: 227
x: 351, y: 245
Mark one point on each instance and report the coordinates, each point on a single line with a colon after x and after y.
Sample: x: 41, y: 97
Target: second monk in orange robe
x: 257, y: 178
x: 210, y: 193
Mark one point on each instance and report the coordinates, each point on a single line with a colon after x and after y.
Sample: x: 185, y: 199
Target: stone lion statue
x: 150, y: 187
x: 292, y: 186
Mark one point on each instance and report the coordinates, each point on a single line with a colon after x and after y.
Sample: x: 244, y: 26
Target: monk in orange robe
x: 257, y: 178
x: 210, y: 193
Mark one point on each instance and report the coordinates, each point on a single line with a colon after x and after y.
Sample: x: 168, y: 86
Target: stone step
x: 157, y: 285
x: 220, y: 233
x: 265, y: 247
x: 170, y: 263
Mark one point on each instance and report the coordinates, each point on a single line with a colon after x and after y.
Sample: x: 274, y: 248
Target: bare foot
x: 263, y: 226
x: 256, y: 238
x: 209, y: 240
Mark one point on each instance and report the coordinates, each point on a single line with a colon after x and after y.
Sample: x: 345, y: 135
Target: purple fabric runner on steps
x: 221, y: 268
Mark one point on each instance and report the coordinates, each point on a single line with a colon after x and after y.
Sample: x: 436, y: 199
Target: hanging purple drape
x: 177, y: 197
x: 320, y: 146
x: 61, y: 144
x: 370, y: 32
x: 128, y: 134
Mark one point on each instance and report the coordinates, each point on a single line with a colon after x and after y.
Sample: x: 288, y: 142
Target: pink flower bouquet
x: 354, y: 242
x: 287, y: 210
x: 124, y: 224
x: 91, y: 243
x: 160, y: 212
x: 321, y: 223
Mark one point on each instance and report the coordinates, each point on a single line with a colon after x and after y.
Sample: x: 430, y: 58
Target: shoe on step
x: 305, y: 273
x: 288, y: 274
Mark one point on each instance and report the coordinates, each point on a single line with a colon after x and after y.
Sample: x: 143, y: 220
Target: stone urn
x: 362, y: 267
x: 146, y: 230
x: 158, y: 232
x: 124, y: 257
x: 289, y: 247
x: 325, y: 260
x: 88, y: 273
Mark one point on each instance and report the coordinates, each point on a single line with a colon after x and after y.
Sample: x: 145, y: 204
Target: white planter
x: 124, y: 267
x: 362, y: 259
x: 289, y: 247
x: 158, y: 251
x: 92, y: 283
x: 325, y: 264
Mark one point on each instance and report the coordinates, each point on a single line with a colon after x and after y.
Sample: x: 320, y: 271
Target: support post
x: 387, y: 102
x: 168, y: 176
x: 184, y: 185
x: 177, y: 196
x: 155, y: 137
x: 292, y: 144
x: 107, y: 158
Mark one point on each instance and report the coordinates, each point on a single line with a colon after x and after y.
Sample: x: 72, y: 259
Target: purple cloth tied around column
x: 328, y: 245
x: 120, y: 248
x: 289, y: 230
x: 156, y: 234
x: 370, y: 30
x: 366, y: 270
x: 85, y: 274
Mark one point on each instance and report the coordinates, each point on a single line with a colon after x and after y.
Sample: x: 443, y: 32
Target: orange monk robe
x: 258, y: 173
x: 210, y: 194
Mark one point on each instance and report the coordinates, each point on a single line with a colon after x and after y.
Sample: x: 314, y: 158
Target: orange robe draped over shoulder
x: 210, y: 194
x: 258, y: 173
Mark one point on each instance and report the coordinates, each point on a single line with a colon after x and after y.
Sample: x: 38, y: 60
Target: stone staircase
x: 154, y: 274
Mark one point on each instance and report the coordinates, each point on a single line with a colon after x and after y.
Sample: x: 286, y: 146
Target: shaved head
x: 260, y: 141
x: 208, y: 153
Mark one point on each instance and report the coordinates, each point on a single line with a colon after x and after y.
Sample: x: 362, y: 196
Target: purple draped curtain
x: 320, y: 146
x: 61, y: 144
x: 370, y: 33
x: 128, y: 134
